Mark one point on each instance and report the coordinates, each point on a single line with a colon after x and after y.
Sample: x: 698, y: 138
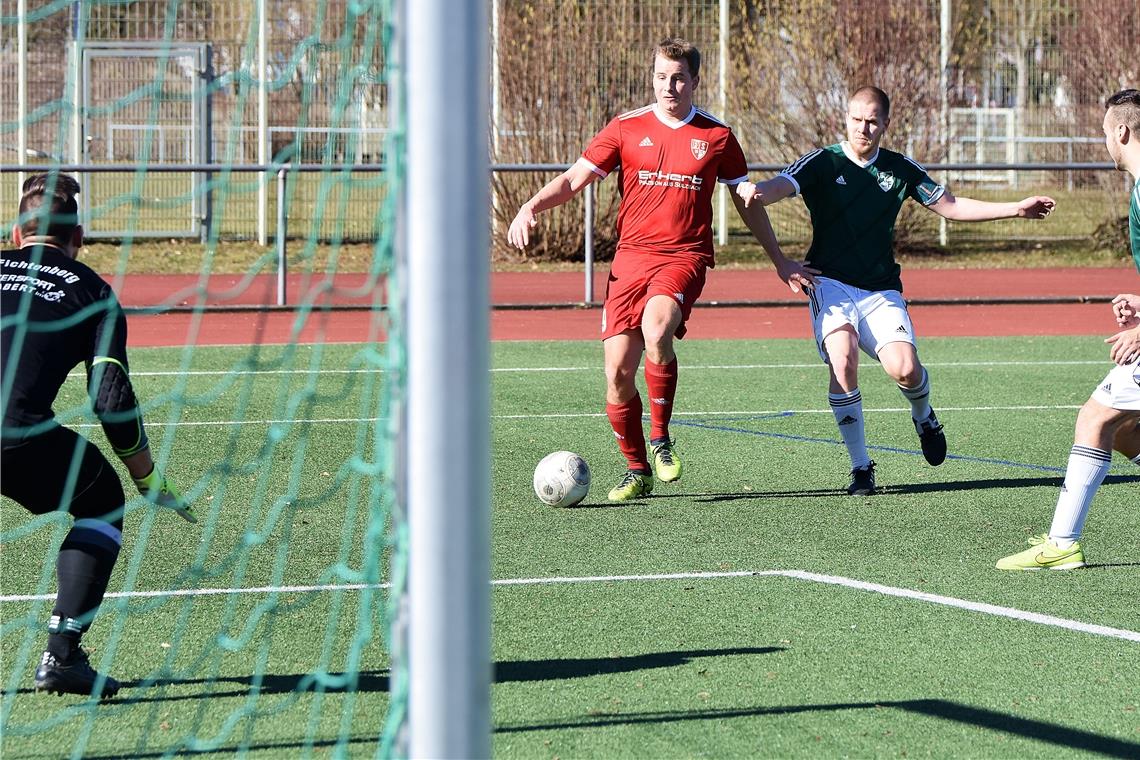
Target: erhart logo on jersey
x: 669, y: 179
x: 699, y: 148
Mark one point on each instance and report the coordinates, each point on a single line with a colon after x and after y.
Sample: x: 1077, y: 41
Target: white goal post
x: 448, y: 481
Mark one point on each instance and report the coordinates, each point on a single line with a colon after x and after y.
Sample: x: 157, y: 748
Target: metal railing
x: 282, y: 171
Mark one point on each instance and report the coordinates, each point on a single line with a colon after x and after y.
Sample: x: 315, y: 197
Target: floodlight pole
x: 22, y: 84
x: 263, y: 123
x: 944, y: 102
x: 448, y: 317
x: 722, y: 87
x: 78, y: 37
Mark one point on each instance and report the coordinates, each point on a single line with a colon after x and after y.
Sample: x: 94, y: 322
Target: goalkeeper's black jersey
x: 56, y: 313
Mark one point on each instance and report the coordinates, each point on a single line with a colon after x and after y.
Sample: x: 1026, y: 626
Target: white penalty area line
x: 774, y: 412
x: 802, y: 575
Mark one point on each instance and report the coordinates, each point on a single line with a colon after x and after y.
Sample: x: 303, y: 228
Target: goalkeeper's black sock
x: 63, y: 637
x: 83, y: 569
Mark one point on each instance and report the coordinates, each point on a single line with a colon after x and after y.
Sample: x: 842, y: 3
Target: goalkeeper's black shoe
x: 73, y: 676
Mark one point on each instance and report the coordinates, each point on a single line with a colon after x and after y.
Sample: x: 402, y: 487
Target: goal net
x: 242, y: 168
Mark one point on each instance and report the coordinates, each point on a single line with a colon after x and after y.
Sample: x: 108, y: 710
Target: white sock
x: 919, y: 398
x: 1086, y: 471
x: 848, y: 411
x: 1136, y: 459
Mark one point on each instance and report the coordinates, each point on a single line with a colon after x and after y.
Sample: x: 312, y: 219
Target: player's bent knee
x: 1127, y: 437
x: 844, y: 367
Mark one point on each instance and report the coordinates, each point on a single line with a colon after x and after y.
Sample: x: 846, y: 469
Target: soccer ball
x: 561, y: 479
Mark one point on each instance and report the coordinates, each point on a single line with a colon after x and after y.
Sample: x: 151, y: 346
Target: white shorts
x: 1120, y: 388
x: 878, y: 316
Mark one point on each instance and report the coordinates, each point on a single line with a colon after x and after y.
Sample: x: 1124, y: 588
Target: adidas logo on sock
x: 659, y: 401
x: 840, y: 181
x: 848, y: 420
x: 645, y: 142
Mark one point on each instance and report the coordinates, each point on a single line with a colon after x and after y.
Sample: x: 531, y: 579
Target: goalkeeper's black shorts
x: 60, y: 470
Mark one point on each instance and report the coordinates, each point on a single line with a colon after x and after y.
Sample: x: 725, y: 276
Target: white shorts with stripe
x: 1120, y: 388
x: 878, y: 316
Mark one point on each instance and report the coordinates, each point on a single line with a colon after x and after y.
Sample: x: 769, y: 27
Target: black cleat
x: 933, y: 440
x: 862, y: 481
x: 75, y: 676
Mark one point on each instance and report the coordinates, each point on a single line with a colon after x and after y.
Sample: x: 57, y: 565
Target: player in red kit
x: 669, y: 155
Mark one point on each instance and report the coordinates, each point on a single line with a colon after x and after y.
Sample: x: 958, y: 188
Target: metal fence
x: 149, y: 81
x: 1101, y: 188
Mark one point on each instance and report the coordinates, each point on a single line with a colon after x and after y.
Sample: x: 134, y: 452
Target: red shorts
x: 636, y: 277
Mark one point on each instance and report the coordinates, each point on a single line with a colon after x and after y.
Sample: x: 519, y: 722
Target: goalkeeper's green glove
x: 156, y: 488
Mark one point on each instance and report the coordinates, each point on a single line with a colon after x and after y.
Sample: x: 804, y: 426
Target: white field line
x: 767, y: 412
x: 594, y: 368
x: 575, y: 415
x: 832, y: 580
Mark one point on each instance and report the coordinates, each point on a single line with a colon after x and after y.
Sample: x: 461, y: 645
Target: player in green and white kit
x: 1110, y: 419
x: 854, y: 191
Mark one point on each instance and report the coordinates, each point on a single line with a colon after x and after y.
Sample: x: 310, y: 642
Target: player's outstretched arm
x: 556, y: 192
x: 767, y: 192
x: 113, y: 396
x: 970, y: 210
x: 794, y: 274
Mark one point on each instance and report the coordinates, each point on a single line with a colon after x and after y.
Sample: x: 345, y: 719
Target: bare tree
x: 795, y: 63
x: 565, y: 68
x: 1101, y: 47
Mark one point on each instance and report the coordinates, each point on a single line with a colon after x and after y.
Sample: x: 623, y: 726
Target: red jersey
x: 668, y: 173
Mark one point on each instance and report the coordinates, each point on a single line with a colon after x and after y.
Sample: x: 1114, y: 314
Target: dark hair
x: 677, y: 49
x: 1125, y: 106
x: 48, y: 207
x: 870, y: 92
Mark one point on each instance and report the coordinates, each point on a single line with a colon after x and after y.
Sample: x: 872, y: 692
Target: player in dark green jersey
x: 854, y: 191
x: 1110, y: 419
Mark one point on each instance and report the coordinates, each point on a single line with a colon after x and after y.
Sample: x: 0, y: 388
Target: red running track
x: 724, y: 285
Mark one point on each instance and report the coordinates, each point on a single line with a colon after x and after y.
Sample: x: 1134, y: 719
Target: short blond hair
x: 875, y: 95
x: 677, y: 49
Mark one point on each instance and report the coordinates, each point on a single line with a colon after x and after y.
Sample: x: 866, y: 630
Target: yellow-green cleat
x: 632, y: 485
x: 666, y: 463
x: 1043, y: 554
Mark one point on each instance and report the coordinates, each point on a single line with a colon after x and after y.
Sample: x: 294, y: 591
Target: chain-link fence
x: 999, y: 81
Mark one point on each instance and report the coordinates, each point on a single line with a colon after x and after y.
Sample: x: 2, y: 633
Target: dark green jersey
x: 1134, y: 223
x: 853, y: 210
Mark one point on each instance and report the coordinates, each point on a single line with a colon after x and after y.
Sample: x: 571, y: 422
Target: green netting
x: 262, y: 630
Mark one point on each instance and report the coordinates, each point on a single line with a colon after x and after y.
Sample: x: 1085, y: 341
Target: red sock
x: 625, y: 419
x: 661, y: 382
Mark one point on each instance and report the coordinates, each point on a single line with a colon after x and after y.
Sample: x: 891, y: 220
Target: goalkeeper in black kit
x: 55, y: 313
